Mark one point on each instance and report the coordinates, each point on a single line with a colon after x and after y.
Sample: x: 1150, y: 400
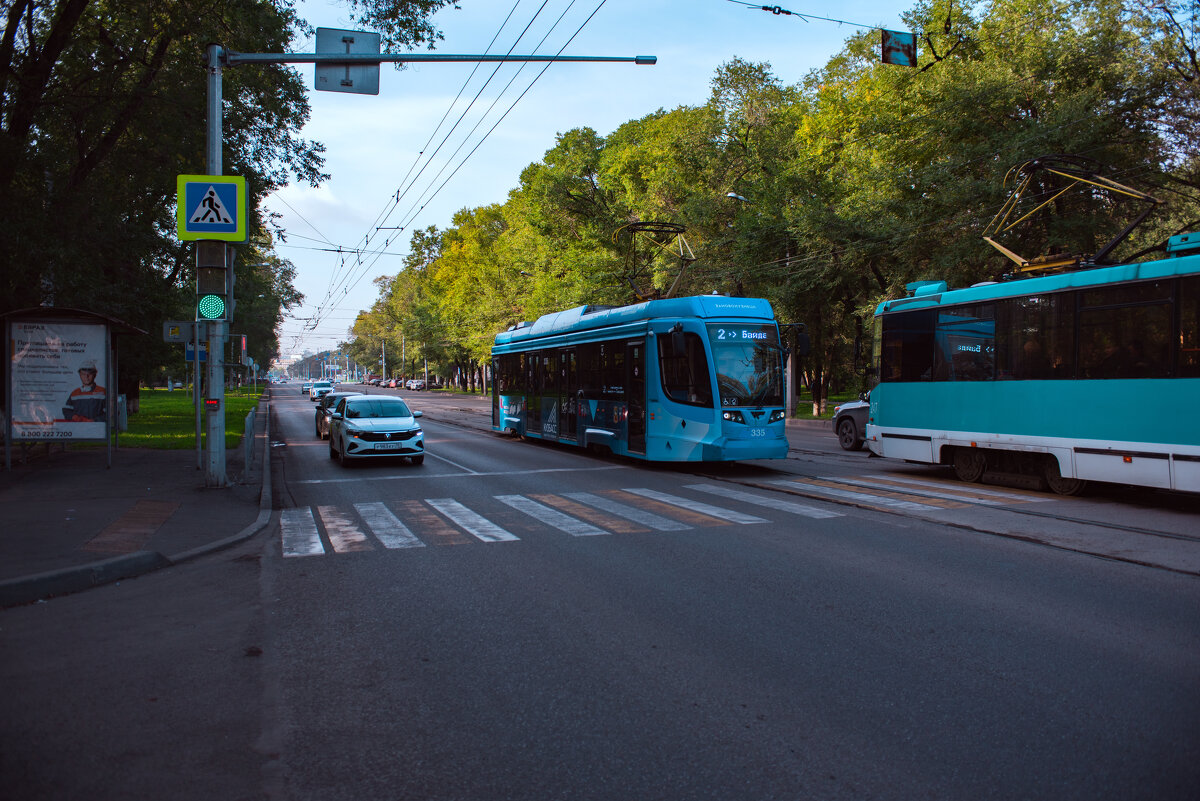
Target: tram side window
x: 908, y: 341
x: 509, y: 374
x: 1124, y: 331
x: 588, y: 355
x: 1035, y: 337
x: 965, y: 343
x: 685, y: 376
x: 1189, y: 327
x: 612, y: 370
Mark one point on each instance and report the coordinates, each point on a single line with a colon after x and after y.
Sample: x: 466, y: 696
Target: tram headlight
x: 733, y: 416
x: 777, y: 415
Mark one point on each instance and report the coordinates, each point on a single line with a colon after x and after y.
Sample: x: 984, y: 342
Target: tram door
x: 551, y: 401
x: 568, y: 403
x: 533, y: 397
x: 635, y: 381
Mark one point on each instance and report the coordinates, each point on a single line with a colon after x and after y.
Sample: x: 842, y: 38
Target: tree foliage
x: 830, y: 194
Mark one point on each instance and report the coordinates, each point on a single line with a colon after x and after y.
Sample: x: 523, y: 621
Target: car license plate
x: 387, y: 446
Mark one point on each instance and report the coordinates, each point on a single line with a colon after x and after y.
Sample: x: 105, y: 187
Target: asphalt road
x: 545, y: 624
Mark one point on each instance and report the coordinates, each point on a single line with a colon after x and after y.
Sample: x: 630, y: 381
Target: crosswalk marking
x: 300, y: 537
x: 811, y: 485
x: 918, y: 491
x: 765, y: 501
x: 386, y: 526
x: 473, y: 523
x: 616, y: 525
x: 656, y: 522
x: 553, y: 517
x: 344, y: 535
x: 431, y: 524
x: 970, y: 489
x: 696, y: 506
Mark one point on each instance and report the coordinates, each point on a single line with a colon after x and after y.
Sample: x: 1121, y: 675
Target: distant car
x: 415, y: 384
x: 325, y: 408
x: 366, y: 426
x: 850, y: 422
x: 305, y: 387
x: 319, y: 389
x: 391, y: 383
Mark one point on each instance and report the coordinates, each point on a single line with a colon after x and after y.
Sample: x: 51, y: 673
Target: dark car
x: 325, y: 408
x: 850, y: 422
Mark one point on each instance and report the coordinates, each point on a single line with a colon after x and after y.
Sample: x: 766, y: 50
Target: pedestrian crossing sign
x: 212, y: 207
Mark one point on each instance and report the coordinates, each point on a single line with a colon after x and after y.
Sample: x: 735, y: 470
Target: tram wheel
x: 1058, y: 484
x: 969, y: 464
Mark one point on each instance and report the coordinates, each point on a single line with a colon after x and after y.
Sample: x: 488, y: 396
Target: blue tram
x: 1087, y: 375
x: 683, y: 379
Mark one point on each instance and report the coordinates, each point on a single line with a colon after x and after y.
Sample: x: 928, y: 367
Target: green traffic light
x: 211, y: 307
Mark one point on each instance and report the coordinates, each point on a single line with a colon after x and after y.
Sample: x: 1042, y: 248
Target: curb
x: 28, y: 589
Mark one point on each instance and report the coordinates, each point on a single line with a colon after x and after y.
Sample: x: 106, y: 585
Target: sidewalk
x: 70, y: 523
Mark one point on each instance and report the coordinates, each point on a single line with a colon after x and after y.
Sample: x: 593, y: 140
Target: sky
x: 345, y: 233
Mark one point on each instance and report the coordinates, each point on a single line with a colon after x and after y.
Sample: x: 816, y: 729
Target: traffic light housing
x: 214, y: 280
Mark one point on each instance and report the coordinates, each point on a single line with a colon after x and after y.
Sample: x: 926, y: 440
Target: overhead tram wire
x: 366, y: 265
x: 413, y: 216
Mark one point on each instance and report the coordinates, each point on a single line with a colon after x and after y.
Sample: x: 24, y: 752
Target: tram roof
x: 929, y: 296
x: 585, y: 318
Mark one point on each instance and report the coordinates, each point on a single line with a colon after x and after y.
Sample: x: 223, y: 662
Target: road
x: 517, y: 620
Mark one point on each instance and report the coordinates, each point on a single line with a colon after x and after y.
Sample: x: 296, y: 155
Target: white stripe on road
x: 299, y: 533
x: 467, y: 520
x: 386, y: 526
x: 703, y: 508
x: 628, y: 512
x: 344, y: 535
x: 550, y: 516
x: 857, y: 497
x: 765, y: 501
x: 970, y: 489
x: 920, y: 492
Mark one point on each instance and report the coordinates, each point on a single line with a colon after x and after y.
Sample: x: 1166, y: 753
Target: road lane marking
x: 552, y: 517
x: 422, y: 518
x: 616, y: 525
x: 812, y: 486
x: 919, y: 490
x: 656, y: 522
x: 299, y: 533
x: 344, y: 534
x: 386, y: 527
x: 422, y: 475
x: 765, y: 501
x: 972, y: 490
x: 718, y: 512
x: 464, y: 518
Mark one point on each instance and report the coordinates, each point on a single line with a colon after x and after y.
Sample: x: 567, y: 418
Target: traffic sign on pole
x: 212, y: 207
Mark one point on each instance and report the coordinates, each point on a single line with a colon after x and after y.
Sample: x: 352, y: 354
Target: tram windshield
x: 748, y: 364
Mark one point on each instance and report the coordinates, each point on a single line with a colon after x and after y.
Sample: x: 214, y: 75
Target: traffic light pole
x: 214, y: 472
x: 218, y: 58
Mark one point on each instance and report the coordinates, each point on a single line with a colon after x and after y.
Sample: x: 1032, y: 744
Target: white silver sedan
x: 367, y: 426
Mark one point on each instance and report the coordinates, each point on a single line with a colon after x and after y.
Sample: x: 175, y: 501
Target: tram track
x: 1124, y: 553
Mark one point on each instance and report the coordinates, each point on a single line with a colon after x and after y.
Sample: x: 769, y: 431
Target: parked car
x: 325, y: 407
x: 366, y: 426
x: 391, y: 384
x: 850, y: 422
x: 319, y: 389
x: 415, y: 384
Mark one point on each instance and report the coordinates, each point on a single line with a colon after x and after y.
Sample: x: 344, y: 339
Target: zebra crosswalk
x: 435, y: 521
x: 417, y: 523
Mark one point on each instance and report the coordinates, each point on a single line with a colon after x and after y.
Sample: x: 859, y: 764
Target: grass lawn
x: 167, y: 420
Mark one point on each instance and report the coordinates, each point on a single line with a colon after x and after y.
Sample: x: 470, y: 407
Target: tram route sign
x: 212, y: 207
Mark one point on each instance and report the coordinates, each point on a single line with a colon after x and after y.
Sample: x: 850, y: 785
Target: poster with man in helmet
x: 59, y: 376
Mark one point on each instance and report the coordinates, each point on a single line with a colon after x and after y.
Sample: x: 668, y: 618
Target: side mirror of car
x: 418, y: 414
x: 335, y: 416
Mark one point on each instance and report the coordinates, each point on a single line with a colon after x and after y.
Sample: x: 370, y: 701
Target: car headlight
x: 354, y: 432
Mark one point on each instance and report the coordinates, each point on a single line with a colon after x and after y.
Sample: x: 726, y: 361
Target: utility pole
x: 363, y: 66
